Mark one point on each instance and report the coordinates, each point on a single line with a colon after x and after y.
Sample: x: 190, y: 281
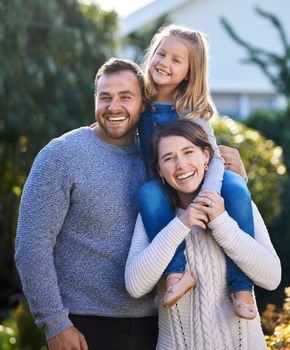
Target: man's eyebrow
x: 123, y: 92
x: 126, y: 92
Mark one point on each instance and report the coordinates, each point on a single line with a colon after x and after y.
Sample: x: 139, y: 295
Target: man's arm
x: 233, y: 161
x: 44, y: 204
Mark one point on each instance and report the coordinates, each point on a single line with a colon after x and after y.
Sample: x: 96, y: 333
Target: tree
x: 274, y: 125
x: 50, y: 53
x: 273, y: 65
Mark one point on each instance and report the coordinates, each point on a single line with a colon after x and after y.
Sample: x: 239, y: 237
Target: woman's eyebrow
x: 166, y: 155
x: 183, y: 149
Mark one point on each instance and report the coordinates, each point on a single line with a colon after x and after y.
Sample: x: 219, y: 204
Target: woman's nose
x: 179, y: 163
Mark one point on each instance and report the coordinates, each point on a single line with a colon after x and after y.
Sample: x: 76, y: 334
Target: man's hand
x: 69, y: 339
x: 233, y: 161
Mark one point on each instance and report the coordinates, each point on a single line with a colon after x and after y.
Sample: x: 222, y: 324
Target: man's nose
x: 114, y: 104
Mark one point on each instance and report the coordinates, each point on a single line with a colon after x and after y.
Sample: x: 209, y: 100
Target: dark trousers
x: 111, y: 333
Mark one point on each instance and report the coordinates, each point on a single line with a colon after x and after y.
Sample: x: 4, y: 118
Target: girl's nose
x: 163, y: 61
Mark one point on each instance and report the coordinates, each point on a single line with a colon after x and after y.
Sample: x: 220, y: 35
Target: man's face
x: 118, y: 105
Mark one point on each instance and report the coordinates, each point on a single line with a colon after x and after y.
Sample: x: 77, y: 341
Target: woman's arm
x: 146, y: 262
x: 256, y: 257
x: 214, y: 176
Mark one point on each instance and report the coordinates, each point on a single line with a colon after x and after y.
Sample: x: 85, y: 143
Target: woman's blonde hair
x: 192, y: 98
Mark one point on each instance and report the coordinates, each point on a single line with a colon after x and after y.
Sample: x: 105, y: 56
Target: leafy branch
x: 275, y: 66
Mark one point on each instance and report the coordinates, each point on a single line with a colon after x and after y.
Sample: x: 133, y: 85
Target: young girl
x: 176, y: 86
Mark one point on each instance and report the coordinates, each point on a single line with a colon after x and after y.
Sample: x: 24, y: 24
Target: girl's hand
x: 193, y: 216
x: 210, y: 203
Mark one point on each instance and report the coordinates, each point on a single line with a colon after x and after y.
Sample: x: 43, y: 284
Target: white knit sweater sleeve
x: 256, y: 257
x: 146, y: 262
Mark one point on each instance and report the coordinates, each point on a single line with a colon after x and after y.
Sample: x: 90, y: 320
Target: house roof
x: 148, y: 13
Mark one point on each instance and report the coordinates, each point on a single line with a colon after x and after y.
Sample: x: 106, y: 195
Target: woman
x: 203, y: 319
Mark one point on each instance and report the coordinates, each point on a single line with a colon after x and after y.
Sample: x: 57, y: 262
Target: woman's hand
x: 193, y: 216
x: 210, y: 203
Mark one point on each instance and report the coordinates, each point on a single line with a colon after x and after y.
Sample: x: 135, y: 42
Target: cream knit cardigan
x: 203, y: 319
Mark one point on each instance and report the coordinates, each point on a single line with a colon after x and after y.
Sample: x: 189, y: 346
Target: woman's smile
x: 185, y: 176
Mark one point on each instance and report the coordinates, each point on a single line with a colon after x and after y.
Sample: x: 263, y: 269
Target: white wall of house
x: 237, y: 88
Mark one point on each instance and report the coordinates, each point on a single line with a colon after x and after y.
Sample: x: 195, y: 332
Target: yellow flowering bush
x: 277, y: 324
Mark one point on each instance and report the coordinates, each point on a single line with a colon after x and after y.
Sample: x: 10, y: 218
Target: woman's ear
x: 206, y: 154
x: 160, y: 172
x: 161, y: 176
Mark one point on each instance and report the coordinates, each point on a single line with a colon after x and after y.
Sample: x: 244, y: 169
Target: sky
x: 123, y: 7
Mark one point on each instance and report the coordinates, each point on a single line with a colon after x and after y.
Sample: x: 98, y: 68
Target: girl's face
x: 181, y: 164
x: 169, y: 65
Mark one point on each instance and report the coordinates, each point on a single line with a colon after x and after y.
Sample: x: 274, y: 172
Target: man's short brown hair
x: 115, y: 65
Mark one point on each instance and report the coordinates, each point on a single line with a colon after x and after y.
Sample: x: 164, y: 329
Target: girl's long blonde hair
x: 192, y: 98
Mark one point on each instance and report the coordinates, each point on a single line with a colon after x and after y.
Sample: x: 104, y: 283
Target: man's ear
x: 143, y: 104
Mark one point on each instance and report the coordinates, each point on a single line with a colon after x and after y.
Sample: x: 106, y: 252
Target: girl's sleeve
x: 214, y: 176
x: 256, y: 257
x: 147, y: 261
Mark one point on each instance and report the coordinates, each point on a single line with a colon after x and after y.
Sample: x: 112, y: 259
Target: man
x: 76, y: 221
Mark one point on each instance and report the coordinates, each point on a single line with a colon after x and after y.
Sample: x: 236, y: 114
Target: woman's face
x: 181, y: 163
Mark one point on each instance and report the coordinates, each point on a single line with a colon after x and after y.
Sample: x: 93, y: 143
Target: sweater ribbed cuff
x: 221, y: 226
x: 178, y: 230
x: 57, y: 324
x: 225, y: 231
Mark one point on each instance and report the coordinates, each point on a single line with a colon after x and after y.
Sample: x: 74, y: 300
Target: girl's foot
x: 177, y: 285
x: 244, y: 305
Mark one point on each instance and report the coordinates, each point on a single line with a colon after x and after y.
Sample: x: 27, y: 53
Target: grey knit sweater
x: 76, y: 221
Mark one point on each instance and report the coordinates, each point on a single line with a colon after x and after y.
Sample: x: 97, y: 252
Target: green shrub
x: 18, y: 331
x: 262, y: 159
